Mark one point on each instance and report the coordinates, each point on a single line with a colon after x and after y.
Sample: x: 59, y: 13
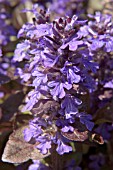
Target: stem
x: 56, y: 159
x: 110, y: 151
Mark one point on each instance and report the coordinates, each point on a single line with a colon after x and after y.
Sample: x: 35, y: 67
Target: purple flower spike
x: 61, y: 67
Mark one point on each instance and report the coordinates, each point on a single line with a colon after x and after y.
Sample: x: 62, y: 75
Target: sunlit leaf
x: 17, y: 150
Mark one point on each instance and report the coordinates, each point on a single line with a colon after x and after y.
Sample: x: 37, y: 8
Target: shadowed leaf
x: 4, y: 79
x: 104, y: 114
x: 10, y: 105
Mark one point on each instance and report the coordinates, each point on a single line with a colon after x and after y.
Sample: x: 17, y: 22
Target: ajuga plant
x: 60, y: 68
x: 66, y: 65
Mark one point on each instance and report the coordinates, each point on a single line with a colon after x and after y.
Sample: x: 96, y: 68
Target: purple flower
x: 83, y: 31
x: 96, y: 44
x: 24, y: 76
x: 64, y: 124
x: 44, y: 145
x: 33, y: 131
x: 70, y: 106
x: 99, y: 32
x: 86, y: 120
x: 34, y: 96
x: 109, y: 45
x: 39, y: 31
x: 38, y: 165
x: 40, y: 78
x: 73, y: 44
x: 59, y: 91
x: 49, y: 59
x: 27, y: 134
x: 70, y: 71
x: 21, y: 51
x: 90, y: 65
x: 35, y: 165
x: 67, y: 128
x: 109, y: 84
x: 23, y: 31
x: 1, y: 94
x: 63, y: 148
x: 0, y: 52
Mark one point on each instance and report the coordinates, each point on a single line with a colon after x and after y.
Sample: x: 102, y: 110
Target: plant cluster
x: 58, y: 82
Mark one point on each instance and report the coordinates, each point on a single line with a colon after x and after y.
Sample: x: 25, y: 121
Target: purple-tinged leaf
x: 17, y: 150
x: 76, y: 135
